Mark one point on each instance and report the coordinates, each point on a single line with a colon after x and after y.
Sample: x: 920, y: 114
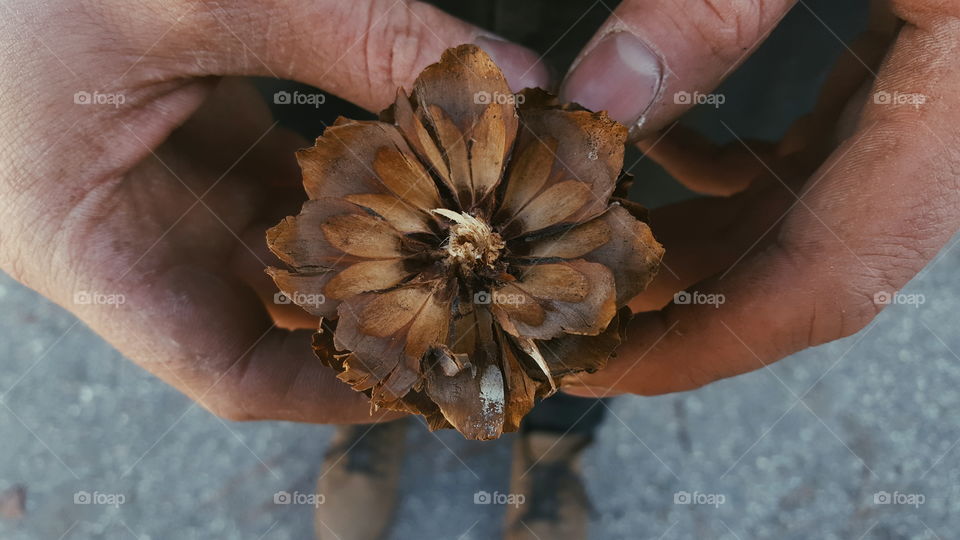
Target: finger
x: 706, y: 236
x: 271, y: 376
x: 886, y: 204
x: 703, y: 166
x: 361, y: 50
x: 647, y: 52
x: 845, y: 90
x: 724, y: 231
x: 712, y: 169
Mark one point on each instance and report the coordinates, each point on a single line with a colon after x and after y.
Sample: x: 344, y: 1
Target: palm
x: 185, y: 233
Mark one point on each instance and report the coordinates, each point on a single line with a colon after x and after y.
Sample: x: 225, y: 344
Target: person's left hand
x: 856, y: 199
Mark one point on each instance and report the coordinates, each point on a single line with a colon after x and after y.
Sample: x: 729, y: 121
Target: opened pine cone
x: 469, y: 249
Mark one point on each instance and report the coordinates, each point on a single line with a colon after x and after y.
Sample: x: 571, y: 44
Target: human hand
x: 855, y: 200
x: 137, y: 185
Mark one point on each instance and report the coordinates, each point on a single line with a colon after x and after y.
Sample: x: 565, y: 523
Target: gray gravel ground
x: 808, y: 448
x: 798, y: 450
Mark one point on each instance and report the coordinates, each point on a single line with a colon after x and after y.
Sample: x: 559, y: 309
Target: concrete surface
x: 876, y: 415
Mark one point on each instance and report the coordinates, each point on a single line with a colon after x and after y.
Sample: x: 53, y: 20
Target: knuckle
x: 217, y: 388
x: 394, y: 51
x: 886, y: 267
x: 11, y: 262
x: 681, y: 376
x: 848, y: 293
x: 227, y: 407
x: 798, y: 261
x: 696, y: 377
x: 839, y: 312
x: 729, y: 27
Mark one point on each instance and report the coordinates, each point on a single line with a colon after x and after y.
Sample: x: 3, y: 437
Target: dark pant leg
x: 563, y: 413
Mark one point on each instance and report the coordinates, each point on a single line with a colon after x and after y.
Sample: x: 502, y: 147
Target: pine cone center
x: 472, y: 243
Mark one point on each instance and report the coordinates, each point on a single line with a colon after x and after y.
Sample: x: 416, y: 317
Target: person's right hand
x: 131, y: 174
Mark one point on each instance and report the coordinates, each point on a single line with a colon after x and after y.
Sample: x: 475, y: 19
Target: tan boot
x: 546, y: 473
x: 358, y: 481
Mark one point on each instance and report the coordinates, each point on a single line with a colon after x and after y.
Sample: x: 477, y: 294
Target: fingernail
x: 521, y: 66
x: 620, y: 75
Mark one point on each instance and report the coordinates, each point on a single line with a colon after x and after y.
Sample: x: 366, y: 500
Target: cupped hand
x: 137, y: 182
x: 806, y: 238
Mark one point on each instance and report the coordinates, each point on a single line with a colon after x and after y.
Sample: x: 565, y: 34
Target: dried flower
x: 471, y: 247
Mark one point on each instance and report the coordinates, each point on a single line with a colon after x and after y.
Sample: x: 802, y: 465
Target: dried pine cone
x: 471, y: 247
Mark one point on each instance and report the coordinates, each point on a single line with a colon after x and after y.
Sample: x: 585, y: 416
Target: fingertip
x: 621, y: 74
x: 522, y: 67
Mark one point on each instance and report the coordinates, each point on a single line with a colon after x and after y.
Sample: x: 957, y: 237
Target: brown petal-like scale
x: 388, y: 335
x: 570, y: 355
x: 464, y: 101
x: 593, y: 302
x: 528, y: 174
x: 589, y: 151
x: 522, y: 390
x: 473, y: 398
x: 468, y: 252
x: 616, y: 240
x: 332, y: 232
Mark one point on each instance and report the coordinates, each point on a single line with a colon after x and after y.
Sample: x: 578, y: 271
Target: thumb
x: 649, y: 52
